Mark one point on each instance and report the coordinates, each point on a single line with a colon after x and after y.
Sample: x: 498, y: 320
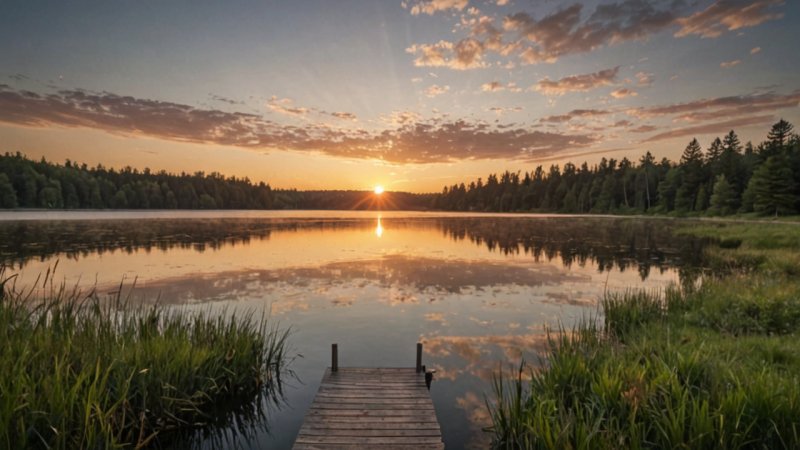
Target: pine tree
x: 693, y: 177
x: 8, y: 197
x: 772, y: 187
x: 723, y: 200
x: 780, y: 133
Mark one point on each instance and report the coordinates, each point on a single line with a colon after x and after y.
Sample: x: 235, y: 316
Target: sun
x: 378, y: 190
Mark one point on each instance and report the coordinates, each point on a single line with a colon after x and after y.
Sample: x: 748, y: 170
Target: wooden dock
x: 364, y: 407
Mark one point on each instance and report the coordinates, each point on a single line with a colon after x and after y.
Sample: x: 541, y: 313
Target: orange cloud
x: 728, y: 15
x: 716, y: 127
x: 729, y: 64
x: 431, y: 7
x: 623, y: 92
x: 575, y: 113
x: 413, y: 141
x: 436, y: 90
x: 579, y: 83
x: 464, y: 54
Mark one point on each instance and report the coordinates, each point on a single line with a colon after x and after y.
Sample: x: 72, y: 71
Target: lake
x: 478, y: 290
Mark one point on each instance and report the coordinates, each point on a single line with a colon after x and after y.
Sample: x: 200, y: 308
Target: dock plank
x: 386, y: 408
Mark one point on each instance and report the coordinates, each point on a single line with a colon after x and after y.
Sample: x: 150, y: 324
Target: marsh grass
x: 79, y: 371
x: 716, y: 366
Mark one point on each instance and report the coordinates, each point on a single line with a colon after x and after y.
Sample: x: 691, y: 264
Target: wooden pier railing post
x: 334, y: 357
x: 419, y: 357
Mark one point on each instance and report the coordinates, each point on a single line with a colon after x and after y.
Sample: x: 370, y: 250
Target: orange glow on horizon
x: 378, y: 190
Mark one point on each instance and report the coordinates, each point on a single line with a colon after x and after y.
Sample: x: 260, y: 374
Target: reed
x: 716, y: 366
x: 81, y: 371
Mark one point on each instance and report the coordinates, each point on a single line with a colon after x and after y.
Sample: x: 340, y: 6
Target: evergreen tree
x: 693, y: 177
x: 780, y: 133
x: 8, y: 197
x: 723, y: 200
x: 772, y: 188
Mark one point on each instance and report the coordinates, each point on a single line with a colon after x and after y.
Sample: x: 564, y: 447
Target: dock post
x: 419, y: 357
x: 334, y: 357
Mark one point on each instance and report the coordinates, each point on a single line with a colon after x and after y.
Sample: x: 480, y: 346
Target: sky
x: 408, y: 94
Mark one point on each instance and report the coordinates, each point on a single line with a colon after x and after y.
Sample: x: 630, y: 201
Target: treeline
x: 25, y: 183
x: 726, y: 178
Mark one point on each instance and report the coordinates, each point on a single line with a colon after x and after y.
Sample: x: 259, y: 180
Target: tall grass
x: 79, y: 371
x: 711, y: 367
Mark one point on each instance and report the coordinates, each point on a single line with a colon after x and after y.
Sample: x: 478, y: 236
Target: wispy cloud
x: 644, y: 79
x: 755, y: 50
x: 722, y: 107
x: 728, y: 15
x: 575, y: 113
x: 573, y: 30
x: 464, y: 54
x: 623, y: 92
x: 709, y: 128
x: 565, y: 32
x: 729, y: 64
x: 285, y: 106
x: 580, y: 83
x: 431, y: 7
x: 412, y: 140
x: 436, y: 90
x: 496, y: 86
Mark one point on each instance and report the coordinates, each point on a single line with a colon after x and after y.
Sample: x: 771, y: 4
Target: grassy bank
x: 710, y: 367
x: 81, y: 372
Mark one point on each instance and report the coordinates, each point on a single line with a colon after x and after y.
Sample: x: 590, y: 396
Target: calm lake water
x: 477, y: 290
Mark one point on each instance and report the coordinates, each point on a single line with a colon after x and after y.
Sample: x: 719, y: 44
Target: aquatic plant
x: 716, y: 366
x: 81, y: 371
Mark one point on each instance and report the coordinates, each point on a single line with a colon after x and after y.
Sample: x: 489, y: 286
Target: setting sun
x: 378, y: 190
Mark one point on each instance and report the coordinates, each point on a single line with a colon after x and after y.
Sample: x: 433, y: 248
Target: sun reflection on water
x: 379, y: 228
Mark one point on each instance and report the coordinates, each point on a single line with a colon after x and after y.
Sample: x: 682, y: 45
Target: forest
x: 25, y: 183
x: 727, y: 178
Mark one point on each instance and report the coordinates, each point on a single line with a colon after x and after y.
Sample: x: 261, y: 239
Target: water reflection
x: 476, y: 291
x: 379, y: 228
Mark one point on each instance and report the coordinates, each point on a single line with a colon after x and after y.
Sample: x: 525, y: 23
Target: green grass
x: 83, y: 372
x: 714, y: 366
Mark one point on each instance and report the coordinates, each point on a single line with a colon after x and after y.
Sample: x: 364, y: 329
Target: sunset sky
x: 410, y: 94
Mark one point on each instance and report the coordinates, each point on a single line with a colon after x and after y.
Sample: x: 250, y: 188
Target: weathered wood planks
x: 384, y: 408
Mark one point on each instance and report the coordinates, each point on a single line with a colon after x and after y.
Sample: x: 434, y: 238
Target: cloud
x: 464, y: 54
x: 575, y: 113
x: 431, y: 7
x: 499, y: 110
x: 644, y: 79
x: 413, y: 141
x: 435, y: 90
x: 344, y: 115
x: 496, y: 86
x: 397, y: 118
x: 728, y: 15
x: 623, y: 92
x: 284, y: 106
x: 729, y: 64
x: 755, y: 50
x: 716, y: 127
x: 564, y: 32
x: 644, y: 129
x: 219, y: 98
x: 579, y: 83
x: 723, y: 107
x: 572, y: 30
x: 492, y: 86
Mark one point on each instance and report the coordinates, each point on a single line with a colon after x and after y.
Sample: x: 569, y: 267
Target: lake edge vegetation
x: 81, y: 371
x: 712, y: 365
